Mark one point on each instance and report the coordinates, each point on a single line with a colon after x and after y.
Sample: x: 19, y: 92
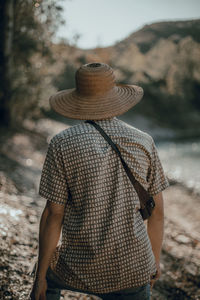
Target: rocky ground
x: 22, y: 154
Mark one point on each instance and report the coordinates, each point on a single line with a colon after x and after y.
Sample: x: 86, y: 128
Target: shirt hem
x: 96, y: 290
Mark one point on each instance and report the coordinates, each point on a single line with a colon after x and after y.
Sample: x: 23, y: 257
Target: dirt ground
x: 22, y: 155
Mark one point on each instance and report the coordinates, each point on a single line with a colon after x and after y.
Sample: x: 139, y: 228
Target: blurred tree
x: 6, y: 57
x: 66, y: 80
x: 27, y: 28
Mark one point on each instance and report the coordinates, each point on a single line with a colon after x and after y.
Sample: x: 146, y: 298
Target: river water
x: 181, y: 162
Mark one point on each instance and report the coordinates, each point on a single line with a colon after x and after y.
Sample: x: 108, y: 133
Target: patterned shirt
x: 105, y: 246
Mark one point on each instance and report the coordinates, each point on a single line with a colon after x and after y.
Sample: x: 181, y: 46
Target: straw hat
x: 96, y: 96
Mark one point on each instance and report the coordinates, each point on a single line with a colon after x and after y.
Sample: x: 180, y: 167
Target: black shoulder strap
x: 143, y: 195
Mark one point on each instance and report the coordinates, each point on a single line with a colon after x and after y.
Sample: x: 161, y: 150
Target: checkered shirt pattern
x: 105, y: 246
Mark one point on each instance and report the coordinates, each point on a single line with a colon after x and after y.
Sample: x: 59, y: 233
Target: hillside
x: 164, y: 58
x: 149, y: 35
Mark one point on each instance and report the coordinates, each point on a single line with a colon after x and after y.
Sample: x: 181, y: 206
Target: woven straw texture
x: 96, y: 95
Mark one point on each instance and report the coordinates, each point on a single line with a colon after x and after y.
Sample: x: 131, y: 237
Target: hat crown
x: 94, y: 79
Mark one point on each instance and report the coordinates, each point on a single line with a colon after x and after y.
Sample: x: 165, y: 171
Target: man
x: 106, y: 248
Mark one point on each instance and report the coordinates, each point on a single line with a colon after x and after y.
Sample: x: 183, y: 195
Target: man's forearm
x: 50, y: 229
x: 155, y: 229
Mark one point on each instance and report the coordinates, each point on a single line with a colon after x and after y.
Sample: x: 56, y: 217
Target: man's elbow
x: 54, y: 211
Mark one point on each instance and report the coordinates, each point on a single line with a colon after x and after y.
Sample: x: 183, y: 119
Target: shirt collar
x: 106, y: 121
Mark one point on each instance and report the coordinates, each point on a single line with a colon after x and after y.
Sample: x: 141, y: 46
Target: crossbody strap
x: 138, y: 187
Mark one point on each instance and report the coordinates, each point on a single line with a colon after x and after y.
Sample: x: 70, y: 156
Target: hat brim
x: 120, y: 99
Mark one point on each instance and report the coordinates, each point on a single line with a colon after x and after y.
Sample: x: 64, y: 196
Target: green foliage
x: 66, y: 80
x: 82, y: 60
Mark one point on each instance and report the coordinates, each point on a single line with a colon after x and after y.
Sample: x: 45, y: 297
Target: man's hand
x: 156, y: 276
x: 39, y: 289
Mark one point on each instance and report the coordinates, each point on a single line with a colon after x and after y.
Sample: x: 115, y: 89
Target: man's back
x: 105, y: 245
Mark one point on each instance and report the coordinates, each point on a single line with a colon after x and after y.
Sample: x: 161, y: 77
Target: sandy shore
x: 21, y: 159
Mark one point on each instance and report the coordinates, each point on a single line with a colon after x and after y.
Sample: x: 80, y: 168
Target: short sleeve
x: 53, y: 184
x: 156, y: 179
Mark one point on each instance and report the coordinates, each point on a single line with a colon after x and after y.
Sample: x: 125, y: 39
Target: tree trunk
x: 6, y: 59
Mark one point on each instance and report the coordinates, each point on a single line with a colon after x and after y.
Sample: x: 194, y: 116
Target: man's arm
x: 49, y: 234
x: 155, y: 229
x: 50, y: 229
